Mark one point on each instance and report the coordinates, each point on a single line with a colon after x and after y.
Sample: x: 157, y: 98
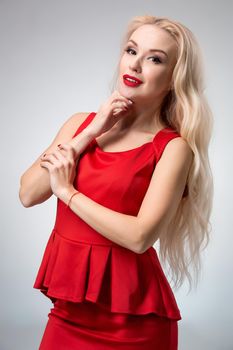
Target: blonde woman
x: 134, y: 173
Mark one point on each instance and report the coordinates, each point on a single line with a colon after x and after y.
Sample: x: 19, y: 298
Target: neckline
x: 132, y: 149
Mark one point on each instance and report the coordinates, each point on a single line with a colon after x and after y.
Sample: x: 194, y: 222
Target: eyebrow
x: 151, y: 50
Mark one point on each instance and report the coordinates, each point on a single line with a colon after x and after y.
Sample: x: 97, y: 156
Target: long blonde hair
x: 185, y: 108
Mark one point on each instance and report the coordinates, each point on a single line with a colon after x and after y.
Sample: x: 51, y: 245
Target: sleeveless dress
x: 104, y: 295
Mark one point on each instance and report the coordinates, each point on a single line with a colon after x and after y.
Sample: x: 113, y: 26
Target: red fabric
x: 87, y: 326
x: 82, y: 267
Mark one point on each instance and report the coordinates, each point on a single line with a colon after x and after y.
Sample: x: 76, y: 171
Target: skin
x: 154, y: 69
x: 168, y: 180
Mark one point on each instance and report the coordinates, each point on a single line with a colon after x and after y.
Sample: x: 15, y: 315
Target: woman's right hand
x: 110, y: 112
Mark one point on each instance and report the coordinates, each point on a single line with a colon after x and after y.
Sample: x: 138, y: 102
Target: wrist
x: 66, y: 193
x: 91, y: 132
x: 80, y: 141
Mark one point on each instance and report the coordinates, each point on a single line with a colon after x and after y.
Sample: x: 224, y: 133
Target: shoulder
x: 179, y: 144
x: 71, y: 124
x: 179, y: 149
x: 75, y: 120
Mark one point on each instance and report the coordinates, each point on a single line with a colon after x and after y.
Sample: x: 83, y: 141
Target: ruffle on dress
x: 115, y: 277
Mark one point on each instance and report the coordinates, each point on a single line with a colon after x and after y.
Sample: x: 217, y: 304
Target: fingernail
x: 130, y: 101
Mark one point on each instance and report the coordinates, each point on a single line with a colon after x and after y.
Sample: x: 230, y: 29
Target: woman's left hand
x: 61, y: 165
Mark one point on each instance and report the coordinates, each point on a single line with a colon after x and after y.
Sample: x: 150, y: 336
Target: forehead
x: 152, y: 37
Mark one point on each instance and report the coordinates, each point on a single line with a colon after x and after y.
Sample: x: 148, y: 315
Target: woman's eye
x: 157, y: 59
x: 129, y: 49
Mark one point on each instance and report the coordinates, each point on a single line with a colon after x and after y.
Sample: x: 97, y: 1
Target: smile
x: 131, y: 81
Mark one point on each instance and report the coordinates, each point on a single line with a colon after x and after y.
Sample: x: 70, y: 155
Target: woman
x: 134, y: 173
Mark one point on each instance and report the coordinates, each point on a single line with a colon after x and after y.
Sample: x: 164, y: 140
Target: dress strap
x: 161, y: 139
x: 84, y: 124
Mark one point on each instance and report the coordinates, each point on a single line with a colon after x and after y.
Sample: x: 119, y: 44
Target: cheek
x: 160, y: 78
x: 123, y: 65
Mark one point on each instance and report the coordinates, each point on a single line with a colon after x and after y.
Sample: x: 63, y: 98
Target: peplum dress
x: 106, y: 296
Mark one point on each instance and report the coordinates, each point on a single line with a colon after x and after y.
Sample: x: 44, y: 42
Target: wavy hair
x: 185, y: 108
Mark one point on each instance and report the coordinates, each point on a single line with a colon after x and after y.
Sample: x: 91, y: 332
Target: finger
x: 47, y: 165
x: 117, y: 111
x: 61, y: 151
x: 60, y: 156
x: 53, y: 165
x: 69, y: 149
x: 124, y: 102
x: 50, y: 158
x: 118, y: 96
x: 64, y: 159
x: 121, y: 105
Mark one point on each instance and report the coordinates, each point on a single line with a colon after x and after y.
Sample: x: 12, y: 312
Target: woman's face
x: 143, y: 59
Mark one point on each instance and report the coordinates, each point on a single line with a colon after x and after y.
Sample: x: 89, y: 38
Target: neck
x: 141, y: 119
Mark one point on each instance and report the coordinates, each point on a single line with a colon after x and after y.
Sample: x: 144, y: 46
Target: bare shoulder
x: 176, y: 158
x: 70, y: 126
x: 175, y: 162
x: 179, y: 148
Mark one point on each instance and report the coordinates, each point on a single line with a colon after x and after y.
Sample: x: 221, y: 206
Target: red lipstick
x: 134, y: 82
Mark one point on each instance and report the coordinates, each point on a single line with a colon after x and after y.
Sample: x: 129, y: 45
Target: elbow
x: 24, y: 199
x: 146, y: 240
x: 140, y: 245
x: 22, y: 196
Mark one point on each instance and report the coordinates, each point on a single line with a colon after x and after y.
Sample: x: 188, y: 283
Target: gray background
x: 58, y: 58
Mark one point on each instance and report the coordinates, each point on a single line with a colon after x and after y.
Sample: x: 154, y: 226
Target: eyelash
x: 130, y: 49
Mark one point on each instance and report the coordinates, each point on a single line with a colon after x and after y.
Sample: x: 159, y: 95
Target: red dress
x: 105, y: 295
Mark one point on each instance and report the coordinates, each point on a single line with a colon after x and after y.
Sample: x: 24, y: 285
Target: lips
x: 136, y: 80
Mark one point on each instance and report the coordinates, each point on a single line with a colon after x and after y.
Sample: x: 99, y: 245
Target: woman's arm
x: 159, y: 205
x: 34, y: 183
x: 120, y: 228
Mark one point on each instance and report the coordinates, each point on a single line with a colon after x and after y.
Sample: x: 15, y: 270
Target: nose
x: 135, y: 65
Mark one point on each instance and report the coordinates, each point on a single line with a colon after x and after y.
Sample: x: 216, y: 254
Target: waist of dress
x: 76, y: 230
x: 85, y: 235
x: 90, y: 237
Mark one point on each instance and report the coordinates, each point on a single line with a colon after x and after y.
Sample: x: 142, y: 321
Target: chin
x: 125, y: 91
x: 128, y: 94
